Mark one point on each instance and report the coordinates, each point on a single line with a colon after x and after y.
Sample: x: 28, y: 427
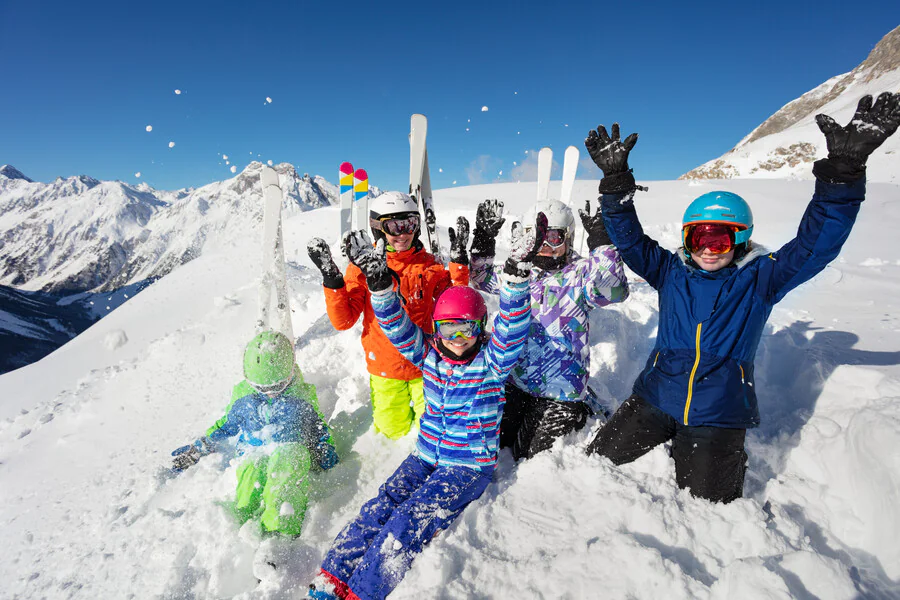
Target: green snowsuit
x: 274, y: 487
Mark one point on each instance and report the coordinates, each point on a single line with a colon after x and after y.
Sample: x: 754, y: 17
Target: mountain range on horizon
x: 79, y: 236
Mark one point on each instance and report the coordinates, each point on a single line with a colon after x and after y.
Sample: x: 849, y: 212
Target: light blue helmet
x: 721, y: 207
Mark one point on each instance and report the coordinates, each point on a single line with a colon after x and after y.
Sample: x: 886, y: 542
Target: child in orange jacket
x: 396, y: 384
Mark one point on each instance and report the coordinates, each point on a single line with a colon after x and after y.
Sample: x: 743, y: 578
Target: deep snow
x: 86, y: 433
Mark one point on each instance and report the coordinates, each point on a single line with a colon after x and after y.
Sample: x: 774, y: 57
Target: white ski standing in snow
x: 274, y: 276
x: 570, y: 167
x: 420, y: 180
x: 545, y: 164
x: 346, y: 183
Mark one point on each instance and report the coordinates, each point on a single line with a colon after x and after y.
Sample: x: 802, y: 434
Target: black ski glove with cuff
x: 611, y: 155
x: 459, y: 239
x: 320, y: 254
x: 850, y: 146
x: 526, y: 244
x: 488, y: 222
x: 371, y: 260
x: 594, y: 226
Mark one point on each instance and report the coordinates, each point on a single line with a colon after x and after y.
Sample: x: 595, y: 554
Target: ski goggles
x: 274, y: 388
x: 454, y: 328
x: 397, y: 225
x: 555, y: 238
x: 718, y: 238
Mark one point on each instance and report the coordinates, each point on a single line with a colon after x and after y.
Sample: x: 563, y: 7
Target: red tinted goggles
x: 715, y: 237
x: 555, y: 237
x: 397, y: 226
x: 453, y: 328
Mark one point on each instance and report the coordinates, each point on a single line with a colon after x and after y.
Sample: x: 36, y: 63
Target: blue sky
x: 82, y: 80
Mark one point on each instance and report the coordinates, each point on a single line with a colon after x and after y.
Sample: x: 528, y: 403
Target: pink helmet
x: 460, y: 302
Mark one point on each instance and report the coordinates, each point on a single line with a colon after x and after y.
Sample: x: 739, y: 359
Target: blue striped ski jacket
x: 700, y: 371
x: 463, y: 402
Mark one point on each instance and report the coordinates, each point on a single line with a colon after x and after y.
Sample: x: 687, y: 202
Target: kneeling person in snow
x: 697, y: 387
x: 456, y: 451
x: 547, y: 392
x: 272, y: 406
x: 395, y: 383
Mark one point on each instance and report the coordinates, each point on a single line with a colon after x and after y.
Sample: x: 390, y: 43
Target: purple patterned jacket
x: 556, y: 361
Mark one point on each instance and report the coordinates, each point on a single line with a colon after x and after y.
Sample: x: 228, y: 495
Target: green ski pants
x: 275, y: 488
x: 396, y: 404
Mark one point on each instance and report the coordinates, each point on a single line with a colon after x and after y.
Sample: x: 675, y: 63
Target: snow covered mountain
x: 81, y: 234
x: 86, y: 433
x: 786, y: 144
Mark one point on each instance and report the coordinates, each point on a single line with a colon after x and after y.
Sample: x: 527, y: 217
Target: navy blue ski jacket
x: 701, y: 370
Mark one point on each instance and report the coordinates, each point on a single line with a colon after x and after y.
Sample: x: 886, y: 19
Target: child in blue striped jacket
x: 464, y: 372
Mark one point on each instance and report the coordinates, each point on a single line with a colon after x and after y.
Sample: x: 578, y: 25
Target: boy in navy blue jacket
x: 697, y: 386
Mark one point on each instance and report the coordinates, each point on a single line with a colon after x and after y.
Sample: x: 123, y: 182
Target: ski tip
x: 346, y: 168
x: 361, y: 174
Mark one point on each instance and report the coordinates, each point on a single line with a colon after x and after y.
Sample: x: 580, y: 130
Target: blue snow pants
x: 375, y: 550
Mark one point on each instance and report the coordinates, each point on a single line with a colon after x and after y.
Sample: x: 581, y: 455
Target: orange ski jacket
x: 422, y: 279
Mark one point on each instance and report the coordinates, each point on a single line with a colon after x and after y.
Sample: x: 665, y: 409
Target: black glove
x: 371, y: 260
x: 594, y: 226
x: 611, y: 155
x: 851, y: 145
x: 459, y: 239
x: 320, y: 254
x: 190, y: 455
x: 488, y: 221
x: 526, y: 244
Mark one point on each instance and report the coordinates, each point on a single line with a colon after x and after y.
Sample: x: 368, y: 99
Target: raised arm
x: 513, y: 321
x: 405, y: 335
x: 840, y: 190
x: 642, y: 254
x: 344, y: 301
x: 488, y: 222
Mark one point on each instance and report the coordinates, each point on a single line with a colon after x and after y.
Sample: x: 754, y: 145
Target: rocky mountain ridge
x: 80, y: 234
x: 786, y: 143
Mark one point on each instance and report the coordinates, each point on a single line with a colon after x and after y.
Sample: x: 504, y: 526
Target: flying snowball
x: 178, y: 92
x: 224, y: 157
x: 440, y: 170
x: 500, y: 173
x: 269, y: 162
x: 171, y: 144
x: 269, y: 100
x: 467, y: 128
x: 233, y: 169
x: 484, y: 109
x: 138, y: 174
x: 454, y: 182
x: 149, y: 128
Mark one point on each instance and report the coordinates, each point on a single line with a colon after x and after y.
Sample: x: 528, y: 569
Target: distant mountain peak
x: 10, y: 172
x: 778, y: 147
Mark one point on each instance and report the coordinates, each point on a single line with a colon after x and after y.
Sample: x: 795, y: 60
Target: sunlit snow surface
x: 86, y: 432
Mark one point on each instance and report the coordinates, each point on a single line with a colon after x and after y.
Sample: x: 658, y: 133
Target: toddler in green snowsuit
x: 276, y: 414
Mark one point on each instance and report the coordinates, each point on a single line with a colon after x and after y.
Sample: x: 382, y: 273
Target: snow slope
x: 86, y: 432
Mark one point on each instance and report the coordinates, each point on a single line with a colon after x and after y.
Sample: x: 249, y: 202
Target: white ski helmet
x: 559, y: 216
x: 392, y: 203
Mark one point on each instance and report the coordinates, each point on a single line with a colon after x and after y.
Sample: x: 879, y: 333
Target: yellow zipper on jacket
x: 687, y: 405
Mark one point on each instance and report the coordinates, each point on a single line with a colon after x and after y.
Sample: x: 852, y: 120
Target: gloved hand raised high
x: 596, y: 229
x: 371, y: 260
x: 526, y: 244
x: 488, y: 222
x: 611, y: 155
x: 320, y: 254
x: 459, y: 239
x: 850, y: 146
